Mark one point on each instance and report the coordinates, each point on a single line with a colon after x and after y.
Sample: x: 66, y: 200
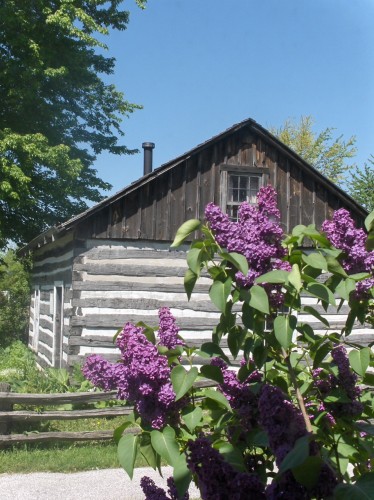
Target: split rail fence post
x: 5, y: 405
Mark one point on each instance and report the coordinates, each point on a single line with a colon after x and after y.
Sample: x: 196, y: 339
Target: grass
x: 65, y: 456
x: 17, y: 366
x: 58, y: 458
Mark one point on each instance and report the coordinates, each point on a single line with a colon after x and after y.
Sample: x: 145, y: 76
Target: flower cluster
x: 217, y: 479
x: 285, y: 424
x: 257, y: 235
x: 281, y: 419
x: 153, y: 492
x: 345, y: 382
x: 344, y: 235
x: 239, y: 394
x: 142, y: 377
x: 168, y: 330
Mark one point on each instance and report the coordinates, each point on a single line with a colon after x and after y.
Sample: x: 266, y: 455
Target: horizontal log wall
x: 117, y: 284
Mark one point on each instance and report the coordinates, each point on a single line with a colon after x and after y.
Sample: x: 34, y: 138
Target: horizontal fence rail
x: 8, y: 416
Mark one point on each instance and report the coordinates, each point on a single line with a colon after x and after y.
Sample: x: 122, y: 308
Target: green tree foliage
x: 327, y: 154
x: 14, y: 299
x: 56, y: 111
x: 361, y: 185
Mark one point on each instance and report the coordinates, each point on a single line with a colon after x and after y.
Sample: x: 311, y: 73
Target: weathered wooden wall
x: 52, y: 267
x: 153, y: 209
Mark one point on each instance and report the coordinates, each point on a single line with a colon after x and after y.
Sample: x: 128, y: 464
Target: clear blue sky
x: 200, y: 66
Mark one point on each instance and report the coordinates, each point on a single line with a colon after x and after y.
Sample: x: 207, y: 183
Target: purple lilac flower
x: 153, y: 492
x: 282, y: 421
x: 142, y: 377
x: 168, y: 330
x: 217, y: 479
x: 257, y: 235
x: 287, y: 488
x: 363, y: 289
x: 239, y: 394
x: 346, y: 381
x: 344, y: 235
x: 284, y: 424
x: 100, y: 372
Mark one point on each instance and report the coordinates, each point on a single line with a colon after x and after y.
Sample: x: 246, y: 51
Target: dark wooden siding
x: 154, y: 210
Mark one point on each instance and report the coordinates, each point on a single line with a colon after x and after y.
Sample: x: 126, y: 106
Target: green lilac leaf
x: 294, y: 278
x: 308, y: 473
x: 259, y: 299
x: 127, y: 451
x: 360, y: 360
x: 345, y: 288
x: 148, y: 452
x: 212, y: 350
x: 192, y: 417
x: 212, y: 373
x: 218, y: 397
x: 298, y: 230
x: 334, y: 266
x: 219, y: 293
x: 316, y: 314
x: 239, y: 261
x: 182, y: 380
x: 315, y: 260
x: 182, y: 475
x: 322, y: 292
x: 193, y: 260
x: 232, y: 455
x: 320, y: 354
x: 147, y: 331
x: 185, y: 230
x: 235, y: 339
x: 284, y: 327
x: 190, y: 279
x: 165, y: 444
x: 118, y: 431
x: 277, y: 276
x: 296, y: 456
x: 369, y: 222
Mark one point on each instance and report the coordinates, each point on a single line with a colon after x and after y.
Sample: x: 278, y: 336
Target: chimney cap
x: 150, y: 145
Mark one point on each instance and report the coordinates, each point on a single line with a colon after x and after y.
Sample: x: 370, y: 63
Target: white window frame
x: 35, y: 339
x: 227, y: 170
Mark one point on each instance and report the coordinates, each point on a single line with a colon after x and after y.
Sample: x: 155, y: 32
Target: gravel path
x: 107, y: 484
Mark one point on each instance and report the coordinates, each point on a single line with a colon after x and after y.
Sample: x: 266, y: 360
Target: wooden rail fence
x: 8, y: 416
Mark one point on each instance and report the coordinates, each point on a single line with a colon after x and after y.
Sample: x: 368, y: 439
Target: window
x: 240, y: 183
x: 241, y: 187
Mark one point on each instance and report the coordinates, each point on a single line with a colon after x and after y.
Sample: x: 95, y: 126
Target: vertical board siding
x: 52, y: 264
x: 156, y: 208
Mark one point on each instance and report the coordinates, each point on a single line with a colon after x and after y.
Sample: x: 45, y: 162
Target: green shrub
x: 14, y: 298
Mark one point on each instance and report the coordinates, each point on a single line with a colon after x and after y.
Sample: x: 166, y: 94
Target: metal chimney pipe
x: 148, y: 147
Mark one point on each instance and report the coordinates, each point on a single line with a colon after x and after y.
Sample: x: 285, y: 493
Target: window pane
x: 241, y: 187
x: 254, y: 187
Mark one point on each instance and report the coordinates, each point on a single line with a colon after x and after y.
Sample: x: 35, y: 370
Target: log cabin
x: 112, y: 263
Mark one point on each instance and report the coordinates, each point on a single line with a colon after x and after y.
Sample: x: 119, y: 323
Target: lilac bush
x: 289, y: 417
